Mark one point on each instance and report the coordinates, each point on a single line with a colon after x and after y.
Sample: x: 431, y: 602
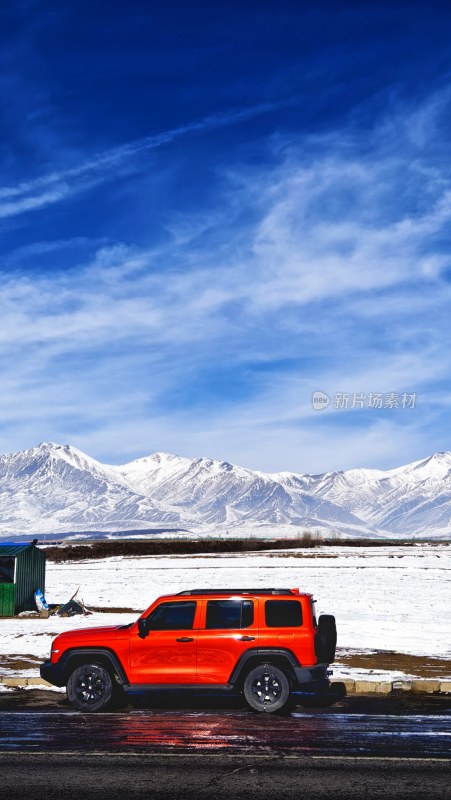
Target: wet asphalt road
x: 223, y: 753
x: 231, y: 732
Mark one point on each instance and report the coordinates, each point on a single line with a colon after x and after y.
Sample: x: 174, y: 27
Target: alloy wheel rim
x: 90, y: 686
x: 266, y: 688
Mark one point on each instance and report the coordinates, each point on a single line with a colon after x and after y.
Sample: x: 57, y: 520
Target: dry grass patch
x: 420, y: 666
x: 15, y: 662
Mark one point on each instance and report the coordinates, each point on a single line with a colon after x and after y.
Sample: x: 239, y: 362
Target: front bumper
x: 52, y: 673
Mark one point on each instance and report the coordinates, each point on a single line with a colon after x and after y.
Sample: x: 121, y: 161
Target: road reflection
x: 232, y: 732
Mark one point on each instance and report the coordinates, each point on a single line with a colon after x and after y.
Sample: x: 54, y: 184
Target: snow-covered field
x: 384, y: 598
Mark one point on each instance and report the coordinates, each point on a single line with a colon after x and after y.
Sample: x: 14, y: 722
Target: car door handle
x: 247, y: 638
x: 185, y: 639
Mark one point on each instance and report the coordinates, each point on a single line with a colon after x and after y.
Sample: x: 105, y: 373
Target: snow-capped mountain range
x: 58, y: 489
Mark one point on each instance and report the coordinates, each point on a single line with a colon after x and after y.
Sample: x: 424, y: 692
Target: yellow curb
x: 373, y: 687
x: 349, y: 683
x: 425, y: 686
x: 24, y: 682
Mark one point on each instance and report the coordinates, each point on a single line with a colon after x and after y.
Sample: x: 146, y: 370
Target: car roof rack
x: 236, y: 591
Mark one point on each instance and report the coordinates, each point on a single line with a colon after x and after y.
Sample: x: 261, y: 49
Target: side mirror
x: 143, y: 627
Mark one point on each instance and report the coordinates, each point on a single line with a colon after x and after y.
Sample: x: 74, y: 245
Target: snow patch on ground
x: 384, y: 598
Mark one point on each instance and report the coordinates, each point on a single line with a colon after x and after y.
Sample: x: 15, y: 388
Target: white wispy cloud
x: 335, y: 283
x: 33, y: 202
x: 56, y: 186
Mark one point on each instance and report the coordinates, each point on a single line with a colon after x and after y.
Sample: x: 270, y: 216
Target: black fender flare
x: 80, y: 655
x: 259, y: 655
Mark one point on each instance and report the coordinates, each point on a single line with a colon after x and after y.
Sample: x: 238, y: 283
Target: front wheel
x: 89, y: 688
x: 267, y: 688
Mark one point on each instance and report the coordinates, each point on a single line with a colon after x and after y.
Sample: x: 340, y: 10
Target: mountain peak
x: 54, y: 452
x: 442, y: 455
x: 56, y: 487
x: 54, y: 447
x: 435, y: 466
x: 47, y: 446
x: 159, y: 457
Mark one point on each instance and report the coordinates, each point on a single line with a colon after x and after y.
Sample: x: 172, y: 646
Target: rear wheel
x: 267, y: 688
x: 90, y: 687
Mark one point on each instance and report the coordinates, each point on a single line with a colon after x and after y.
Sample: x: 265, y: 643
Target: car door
x: 229, y: 627
x: 167, y: 654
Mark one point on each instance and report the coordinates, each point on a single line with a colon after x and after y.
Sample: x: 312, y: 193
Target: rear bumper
x: 333, y: 692
x: 314, y: 682
x: 317, y: 674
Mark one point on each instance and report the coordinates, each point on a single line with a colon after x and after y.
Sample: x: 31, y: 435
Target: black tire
x: 90, y: 687
x: 267, y: 688
x: 326, y: 639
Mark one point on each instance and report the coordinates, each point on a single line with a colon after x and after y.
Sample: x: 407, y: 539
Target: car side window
x: 283, y: 613
x: 172, y: 617
x: 229, y: 614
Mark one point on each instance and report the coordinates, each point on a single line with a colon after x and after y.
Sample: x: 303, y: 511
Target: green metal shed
x: 22, y: 572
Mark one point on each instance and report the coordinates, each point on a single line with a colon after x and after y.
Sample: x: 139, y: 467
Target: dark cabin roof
x: 12, y: 549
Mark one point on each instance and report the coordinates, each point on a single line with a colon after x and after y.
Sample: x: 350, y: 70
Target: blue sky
x: 210, y: 211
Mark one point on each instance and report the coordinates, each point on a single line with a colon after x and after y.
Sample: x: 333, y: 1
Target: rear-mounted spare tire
x: 326, y: 639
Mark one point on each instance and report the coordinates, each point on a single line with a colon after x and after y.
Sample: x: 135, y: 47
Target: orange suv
x: 265, y: 644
